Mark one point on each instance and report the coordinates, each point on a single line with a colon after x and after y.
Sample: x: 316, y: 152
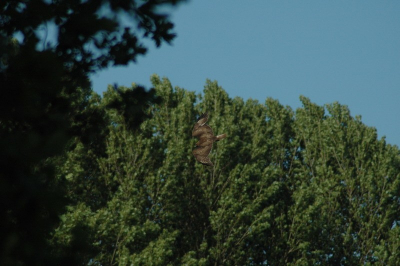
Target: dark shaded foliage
x: 46, y: 103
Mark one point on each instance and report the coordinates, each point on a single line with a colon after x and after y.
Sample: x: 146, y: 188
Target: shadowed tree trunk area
x: 47, y: 51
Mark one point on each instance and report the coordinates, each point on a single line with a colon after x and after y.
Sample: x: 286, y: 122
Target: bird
x: 205, y: 135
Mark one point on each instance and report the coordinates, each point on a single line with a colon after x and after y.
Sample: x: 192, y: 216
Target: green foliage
x: 313, y: 186
x: 48, y: 49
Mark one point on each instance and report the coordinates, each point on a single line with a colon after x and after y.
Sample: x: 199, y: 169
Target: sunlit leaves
x: 311, y: 186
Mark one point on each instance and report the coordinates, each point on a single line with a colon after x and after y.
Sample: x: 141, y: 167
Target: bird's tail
x: 219, y: 137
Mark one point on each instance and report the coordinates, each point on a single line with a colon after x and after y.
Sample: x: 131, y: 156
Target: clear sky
x: 345, y: 51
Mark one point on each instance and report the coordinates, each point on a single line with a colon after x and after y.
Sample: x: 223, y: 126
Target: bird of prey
x: 206, y: 139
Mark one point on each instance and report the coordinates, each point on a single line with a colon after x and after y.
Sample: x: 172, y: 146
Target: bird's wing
x: 202, y: 119
x: 204, y: 160
x: 202, y: 150
x: 205, y: 142
x: 200, y: 123
x: 204, y: 131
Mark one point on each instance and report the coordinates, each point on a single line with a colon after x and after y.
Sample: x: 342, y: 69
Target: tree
x: 311, y: 186
x: 48, y: 48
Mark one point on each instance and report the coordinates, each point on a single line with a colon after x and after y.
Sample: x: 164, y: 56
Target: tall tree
x: 48, y: 48
x: 311, y: 186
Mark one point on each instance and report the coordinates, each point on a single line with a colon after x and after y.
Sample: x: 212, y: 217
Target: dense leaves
x: 311, y: 186
x: 47, y: 51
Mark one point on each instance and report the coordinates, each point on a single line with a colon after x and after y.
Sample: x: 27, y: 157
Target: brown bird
x: 206, y: 139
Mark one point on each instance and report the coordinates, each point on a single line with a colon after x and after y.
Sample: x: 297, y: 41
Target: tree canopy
x: 47, y: 51
x: 311, y: 186
x: 91, y: 180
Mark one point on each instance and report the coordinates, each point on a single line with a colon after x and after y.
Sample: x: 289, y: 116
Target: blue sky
x: 345, y: 51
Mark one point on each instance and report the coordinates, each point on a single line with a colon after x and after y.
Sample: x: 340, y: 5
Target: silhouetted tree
x: 48, y: 49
